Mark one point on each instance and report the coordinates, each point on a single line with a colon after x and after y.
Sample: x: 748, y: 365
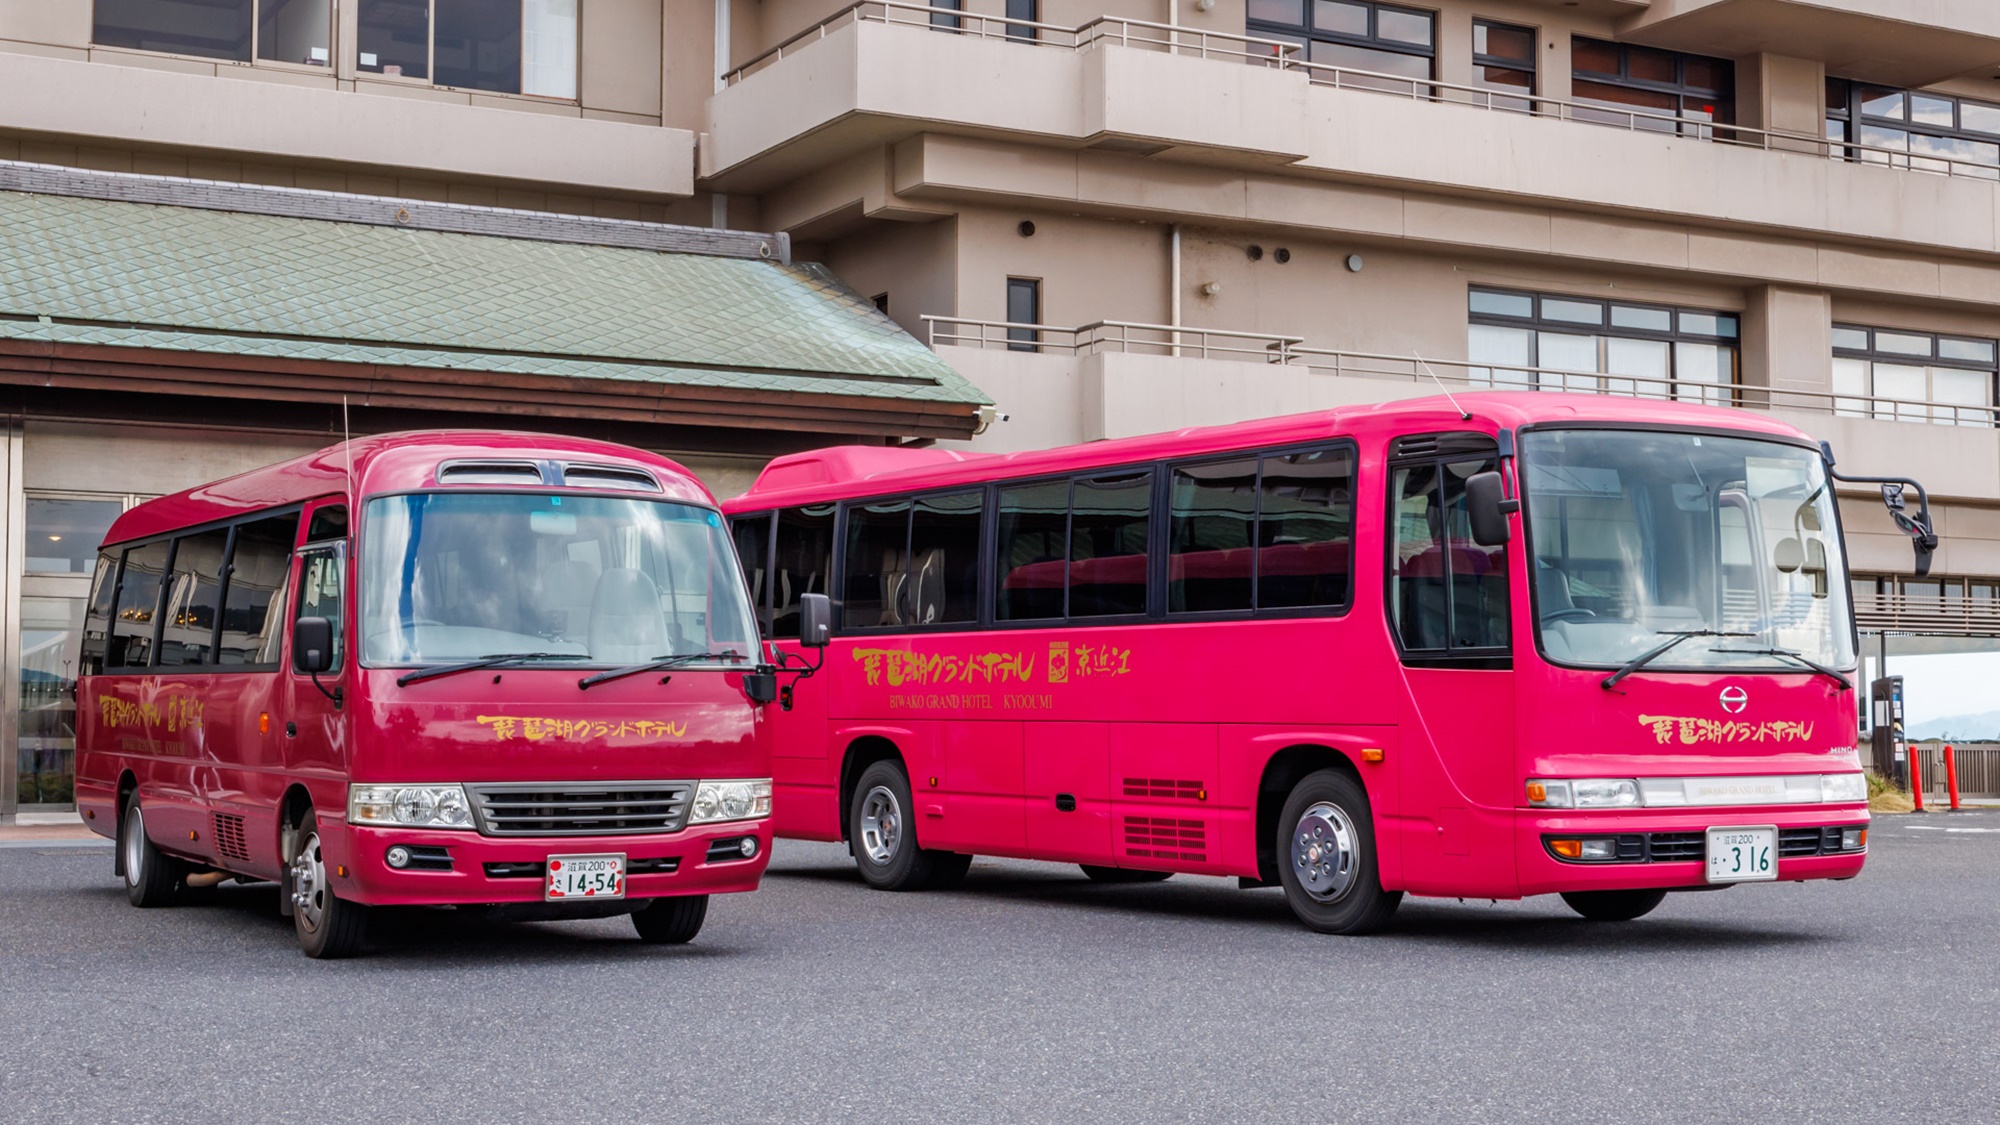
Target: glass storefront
x: 46, y: 749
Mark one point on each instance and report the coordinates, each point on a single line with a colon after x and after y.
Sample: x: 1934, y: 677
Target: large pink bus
x: 488, y: 670
x: 1510, y: 645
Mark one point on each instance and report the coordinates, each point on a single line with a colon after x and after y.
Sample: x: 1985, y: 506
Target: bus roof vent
x: 1419, y: 446
x: 1445, y: 445
x: 610, y: 476
x: 489, y: 472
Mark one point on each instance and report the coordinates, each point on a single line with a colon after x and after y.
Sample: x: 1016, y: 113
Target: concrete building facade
x: 1116, y: 216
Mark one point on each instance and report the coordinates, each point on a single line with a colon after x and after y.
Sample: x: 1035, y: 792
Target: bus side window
x: 801, y: 563
x: 252, y: 612
x: 753, y: 551
x: 97, y: 619
x: 188, y: 638
x: 944, y: 559
x: 137, y: 607
x: 1450, y: 593
x: 1108, y: 569
x: 876, y: 567
x: 322, y: 590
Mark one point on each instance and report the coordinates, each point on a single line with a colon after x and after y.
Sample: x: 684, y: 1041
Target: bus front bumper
x: 1667, y: 848
x: 465, y: 868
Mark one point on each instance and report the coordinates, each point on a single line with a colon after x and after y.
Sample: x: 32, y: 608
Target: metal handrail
x: 1280, y: 55
x: 1117, y: 336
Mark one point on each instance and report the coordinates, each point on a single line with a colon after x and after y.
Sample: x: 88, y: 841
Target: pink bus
x: 1540, y: 644
x: 481, y: 669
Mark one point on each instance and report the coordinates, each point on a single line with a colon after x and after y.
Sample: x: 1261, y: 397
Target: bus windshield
x: 453, y: 576
x: 1638, y: 537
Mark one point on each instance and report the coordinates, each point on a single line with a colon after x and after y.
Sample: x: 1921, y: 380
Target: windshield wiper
x: 1647, y: 657
x: 657, y: 664
x: 1802, y: 658
x: 492, y: 660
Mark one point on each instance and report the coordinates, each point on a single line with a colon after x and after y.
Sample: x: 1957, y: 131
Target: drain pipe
x: 718, y: 215
x: 1174, y: 280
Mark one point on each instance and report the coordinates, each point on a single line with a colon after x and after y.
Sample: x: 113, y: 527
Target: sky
x: 1940, y: 686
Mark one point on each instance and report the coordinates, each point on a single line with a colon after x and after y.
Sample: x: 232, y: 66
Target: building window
x: 294, y: 31
x: 945, y: 14
x: 505, y: 46
x: 63, y: 534
x: 1924, y: 131
x: 1024, y: 307
x: 1606, y: 347
x: 1028, y: 10
x: 1660, y: 91
x: 1926, y: 378
x: 1352, y: 34
x: 1503, y: 58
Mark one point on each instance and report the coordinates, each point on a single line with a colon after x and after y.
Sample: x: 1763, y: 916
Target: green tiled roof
x: 86, y: 271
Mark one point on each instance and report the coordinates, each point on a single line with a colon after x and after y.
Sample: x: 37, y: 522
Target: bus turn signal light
x: 1568, y: 849
x: 1371, y: 755
x: 264, y: 723
x: 1537, y: 792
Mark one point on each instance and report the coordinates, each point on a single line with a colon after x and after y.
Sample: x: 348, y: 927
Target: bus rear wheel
x: 328, y: 926
x: 671, y: 921
x: 1613, y: 906
x: 885, y: 839
x: 151, y: 877
x: 1123, y: 874
x: 1326, y: 857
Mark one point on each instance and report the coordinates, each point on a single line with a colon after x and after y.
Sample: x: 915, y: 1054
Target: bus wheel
x: 1123, y: 874
x: 1613, y: 906
x: 328, y: 925
x: 150, y: 877
x: 885, y: 842
x: 1326, y: 857
x: 671, y: 921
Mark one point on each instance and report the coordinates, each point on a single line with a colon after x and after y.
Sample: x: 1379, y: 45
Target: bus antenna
x: 1464, y: 415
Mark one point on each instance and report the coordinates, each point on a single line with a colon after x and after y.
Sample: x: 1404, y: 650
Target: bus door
x: 1448, y: 605
x: 314, y: 723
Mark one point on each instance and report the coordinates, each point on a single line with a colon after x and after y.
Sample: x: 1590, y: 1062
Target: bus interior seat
x: 894, y: 576
x: 626, y: 622
x: 928, y: 585
x: 568, y: 587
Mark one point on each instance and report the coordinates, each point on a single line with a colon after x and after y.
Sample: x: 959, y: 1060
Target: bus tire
x: 328, y: 926
x: 1326, y: 857
x: 671, y: 921
x: 883, y: 835
x: 1123, y: 874
x: 151, y: 876
x: 1613, y: 906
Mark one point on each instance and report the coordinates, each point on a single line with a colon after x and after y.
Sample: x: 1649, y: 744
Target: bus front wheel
x: 151, y: 877
x: 671, y: 921
x: 1613, y: 906
x: 329, y: 926
x: 885, y: 839
x: 1326, y: 857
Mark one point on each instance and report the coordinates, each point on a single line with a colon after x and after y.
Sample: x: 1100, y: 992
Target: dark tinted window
x: 1107, y: 545
x: 211, y: 29
x: 328, y: 522
x: 394, y: 37
x: 479, y: 44
x: 137, y: 607
x: 252, y: 617
x: 192, y: 599
x: 1448, y: 592
x: 878, y: 539
x: 1209, y: 565
x: 1033, y: 533
x: 1305, y: 530
x: 944, y: 559
x: 1022, y: 10
x: 62, y: 535
x: 753, y: 551
x: 98, y: 616
x: 323, y: 593
x: 1024, y: 306
x: 801, y: 563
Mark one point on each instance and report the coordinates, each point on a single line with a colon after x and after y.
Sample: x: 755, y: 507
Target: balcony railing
x: 1280, y: 55
x: 1929, y: 615
x: 1135, y: 338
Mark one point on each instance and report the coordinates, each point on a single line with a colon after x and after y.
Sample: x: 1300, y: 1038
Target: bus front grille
x: 565, y: 809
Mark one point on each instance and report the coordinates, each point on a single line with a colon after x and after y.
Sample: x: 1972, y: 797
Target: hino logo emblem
x: 1734, y: 700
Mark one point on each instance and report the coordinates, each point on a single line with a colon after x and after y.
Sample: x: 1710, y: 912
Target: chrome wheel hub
x: 881, y: 825
x: 134, y: 844
x: 1325, y: 852
x: 309, y: 882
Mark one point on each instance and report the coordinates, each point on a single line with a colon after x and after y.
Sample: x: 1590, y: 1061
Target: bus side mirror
x: 312, y: 645
x: 815, y: 620
x: 1486, y: 502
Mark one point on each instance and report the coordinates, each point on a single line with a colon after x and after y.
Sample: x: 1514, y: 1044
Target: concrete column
x: 1787, y: 339
x: 1782, y: 94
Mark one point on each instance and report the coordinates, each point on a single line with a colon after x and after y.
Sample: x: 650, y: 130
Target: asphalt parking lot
x: 1030, y: 994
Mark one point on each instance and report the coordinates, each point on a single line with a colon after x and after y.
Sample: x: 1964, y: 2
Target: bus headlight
x: 410, y: 806
x: 1585, y: 793
x: 730, y: 800
x: 1843, y: 787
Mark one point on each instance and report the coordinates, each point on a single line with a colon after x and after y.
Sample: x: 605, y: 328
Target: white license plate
x: 1742, y: 855
x: 578, y: 878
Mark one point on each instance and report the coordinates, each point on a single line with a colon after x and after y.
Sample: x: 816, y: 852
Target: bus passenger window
x: 97, y: 619
x: 1209, y: 565
x: 1421, y: 605
x: 322, y: 589
x: 878, y: 539
x: 1033, y: 537
x: 1450, y: 593
x: 1107, y: 545
x: 1305, y: 529
x: 1478, y: 574
x: 188, y: 637
x: 329, y: 521
x: 252, y: 613
x: 753, y: 549
x: 944, y: 559
x: 801, y: 563
x: 138, y: 606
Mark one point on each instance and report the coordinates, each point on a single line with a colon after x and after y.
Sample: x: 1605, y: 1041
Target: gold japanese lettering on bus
x: 898, y: 667
x: 1067, y: 663
x: 1692, y: 731
x: 174, y: 713
x: 536, y: 728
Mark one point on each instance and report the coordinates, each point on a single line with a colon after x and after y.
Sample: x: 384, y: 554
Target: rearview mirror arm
x: 1919, y: 528
x: 798, y: 672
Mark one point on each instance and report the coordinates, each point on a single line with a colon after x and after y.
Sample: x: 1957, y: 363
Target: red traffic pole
x: 1916, y: 754
x: 1951, y: 775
